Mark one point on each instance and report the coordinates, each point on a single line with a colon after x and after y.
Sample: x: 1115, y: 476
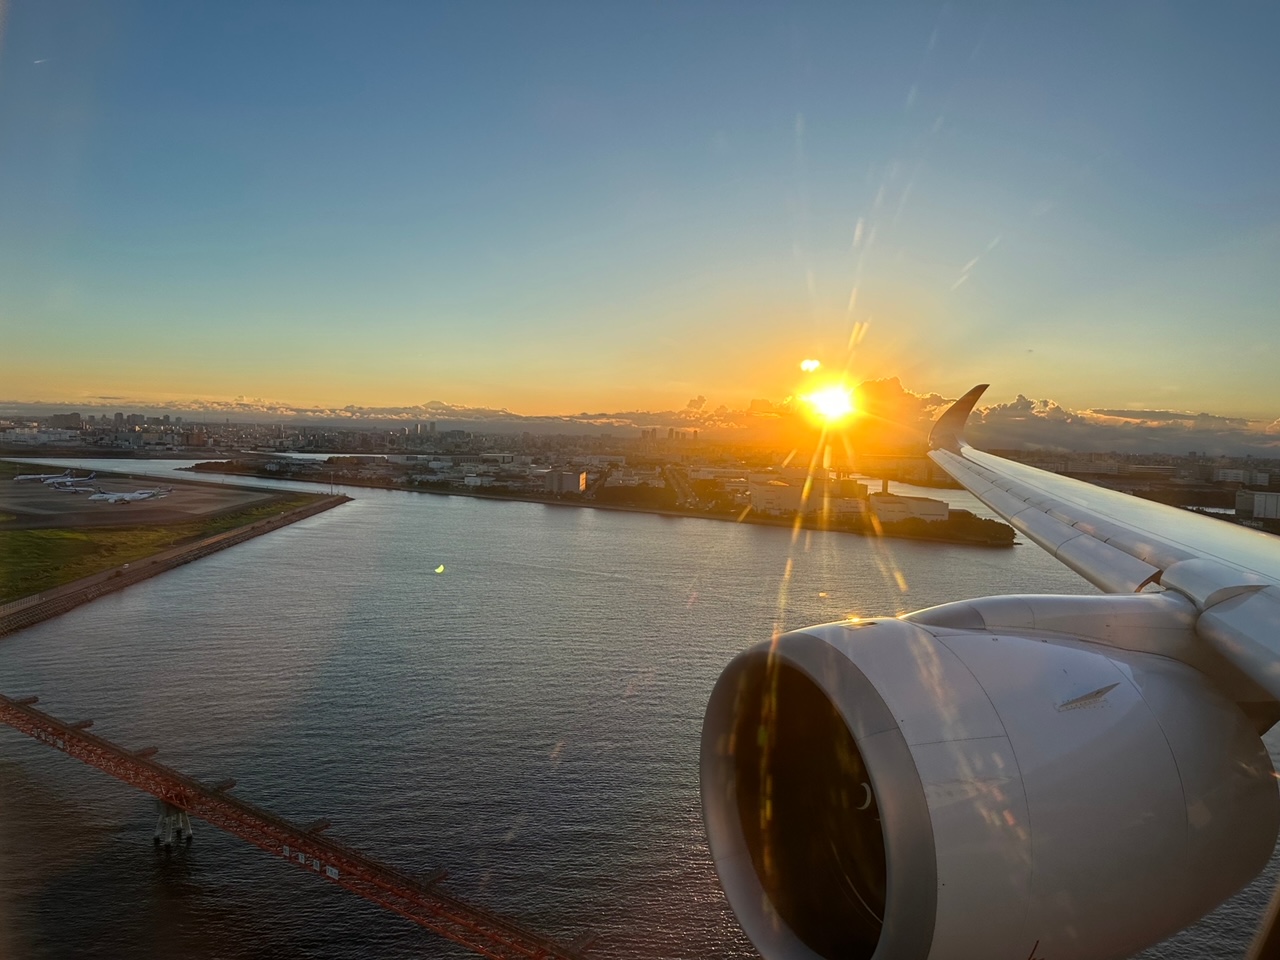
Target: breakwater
x: 19, y: 614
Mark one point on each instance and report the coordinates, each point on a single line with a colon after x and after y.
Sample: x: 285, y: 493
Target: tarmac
x: 41, y: 606
x: 36, y: 505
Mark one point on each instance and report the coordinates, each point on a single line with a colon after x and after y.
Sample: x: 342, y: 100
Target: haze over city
x: 560, y: 209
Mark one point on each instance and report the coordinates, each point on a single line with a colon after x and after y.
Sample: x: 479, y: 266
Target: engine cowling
x: 881, y: 790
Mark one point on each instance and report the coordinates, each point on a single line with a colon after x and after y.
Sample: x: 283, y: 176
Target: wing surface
x: 1122, y: 544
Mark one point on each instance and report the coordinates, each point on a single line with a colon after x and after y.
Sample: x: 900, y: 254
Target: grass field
x: 10, y: 469
x: 35, y: 560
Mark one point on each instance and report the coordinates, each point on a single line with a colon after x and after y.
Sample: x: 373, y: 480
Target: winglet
x: 948, y: 432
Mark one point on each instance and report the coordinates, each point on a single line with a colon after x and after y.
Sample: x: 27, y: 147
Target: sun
x: 830, y: 404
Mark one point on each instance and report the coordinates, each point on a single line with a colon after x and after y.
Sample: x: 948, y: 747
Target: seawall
x: 27, y: 611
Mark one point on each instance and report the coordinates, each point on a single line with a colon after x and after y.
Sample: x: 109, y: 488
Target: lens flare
x: 808, y: 366
x: 830, y: 404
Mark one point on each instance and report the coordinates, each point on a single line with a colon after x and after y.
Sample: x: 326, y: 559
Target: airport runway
x: 34, y: 505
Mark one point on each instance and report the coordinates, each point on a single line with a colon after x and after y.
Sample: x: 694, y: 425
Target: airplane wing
x: 1123, y: 544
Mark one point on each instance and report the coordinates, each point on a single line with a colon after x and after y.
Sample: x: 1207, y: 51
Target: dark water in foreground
x: 528, y: 719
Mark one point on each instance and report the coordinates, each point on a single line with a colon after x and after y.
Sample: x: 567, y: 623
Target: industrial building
x: 1257, y: 505
x: 835, y: 498
x: 566, y: 481
x: 890, y: 507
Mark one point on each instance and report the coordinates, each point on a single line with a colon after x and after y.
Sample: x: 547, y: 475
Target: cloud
x: 899, y: 420
x: 894, y: 420
x: 1022, y: 408
x: 1044, y: 424
x: 1170, y: 416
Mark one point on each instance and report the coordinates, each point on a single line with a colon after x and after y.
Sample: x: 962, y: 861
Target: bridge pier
x: 172, y: 825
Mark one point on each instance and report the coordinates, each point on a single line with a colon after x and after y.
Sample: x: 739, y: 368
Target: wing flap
x: 1246, y: 630
x: 1043, y: 529
x: 1106, y: 567
x: 1005, y: 503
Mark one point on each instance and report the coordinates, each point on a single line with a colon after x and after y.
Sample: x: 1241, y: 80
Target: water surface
x: 528, y: 719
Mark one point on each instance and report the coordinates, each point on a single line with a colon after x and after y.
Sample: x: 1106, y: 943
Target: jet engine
x: 941, y: 787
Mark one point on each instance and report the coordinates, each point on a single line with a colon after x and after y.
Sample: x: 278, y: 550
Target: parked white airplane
x: 1060, y: 777
x: 59, y: 483
x: 153, y: 494
x: 43, y: 477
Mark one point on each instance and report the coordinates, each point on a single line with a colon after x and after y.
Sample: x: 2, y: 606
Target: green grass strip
x: 32, y: 561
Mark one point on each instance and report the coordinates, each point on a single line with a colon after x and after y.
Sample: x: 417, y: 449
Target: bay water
x: 527, y: 719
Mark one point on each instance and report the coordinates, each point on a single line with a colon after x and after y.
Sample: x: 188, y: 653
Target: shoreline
x: 751, y: 518
x: 28, y: 611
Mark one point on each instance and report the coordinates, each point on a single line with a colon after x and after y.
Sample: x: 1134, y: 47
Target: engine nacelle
x: 882, y: 789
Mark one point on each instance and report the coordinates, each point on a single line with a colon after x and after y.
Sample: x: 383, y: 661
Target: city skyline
x: 565, y: 208
x: 885, y: 414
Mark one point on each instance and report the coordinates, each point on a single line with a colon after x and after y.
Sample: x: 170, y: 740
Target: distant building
x: 1257, y: 505
x: 1082, y: 467
x: 66, y: 421
x: 890, y: 507
x: 776, y: 497
x: 566, y: 481
x: 29, y: 435
x: 780, y: 497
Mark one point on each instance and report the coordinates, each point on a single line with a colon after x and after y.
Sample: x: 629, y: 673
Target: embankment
x: 41, y: 606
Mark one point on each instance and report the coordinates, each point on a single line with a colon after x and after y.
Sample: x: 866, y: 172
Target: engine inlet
x: 808, y: 812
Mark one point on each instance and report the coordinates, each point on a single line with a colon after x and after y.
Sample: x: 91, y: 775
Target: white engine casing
x: 1036, y: 797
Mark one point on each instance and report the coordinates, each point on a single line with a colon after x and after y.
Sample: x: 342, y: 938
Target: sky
x: 553, y: 208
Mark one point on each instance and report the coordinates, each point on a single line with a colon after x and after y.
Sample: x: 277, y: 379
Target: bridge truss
x: 420, y: 899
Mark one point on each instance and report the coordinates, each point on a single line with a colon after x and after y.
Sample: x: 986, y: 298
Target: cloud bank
x: 893, y: 419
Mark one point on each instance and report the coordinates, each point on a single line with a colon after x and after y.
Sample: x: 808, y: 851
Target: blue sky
x: 560, y: 207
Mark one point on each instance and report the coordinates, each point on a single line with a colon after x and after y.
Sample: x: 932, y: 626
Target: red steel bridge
x: 419, y: 899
